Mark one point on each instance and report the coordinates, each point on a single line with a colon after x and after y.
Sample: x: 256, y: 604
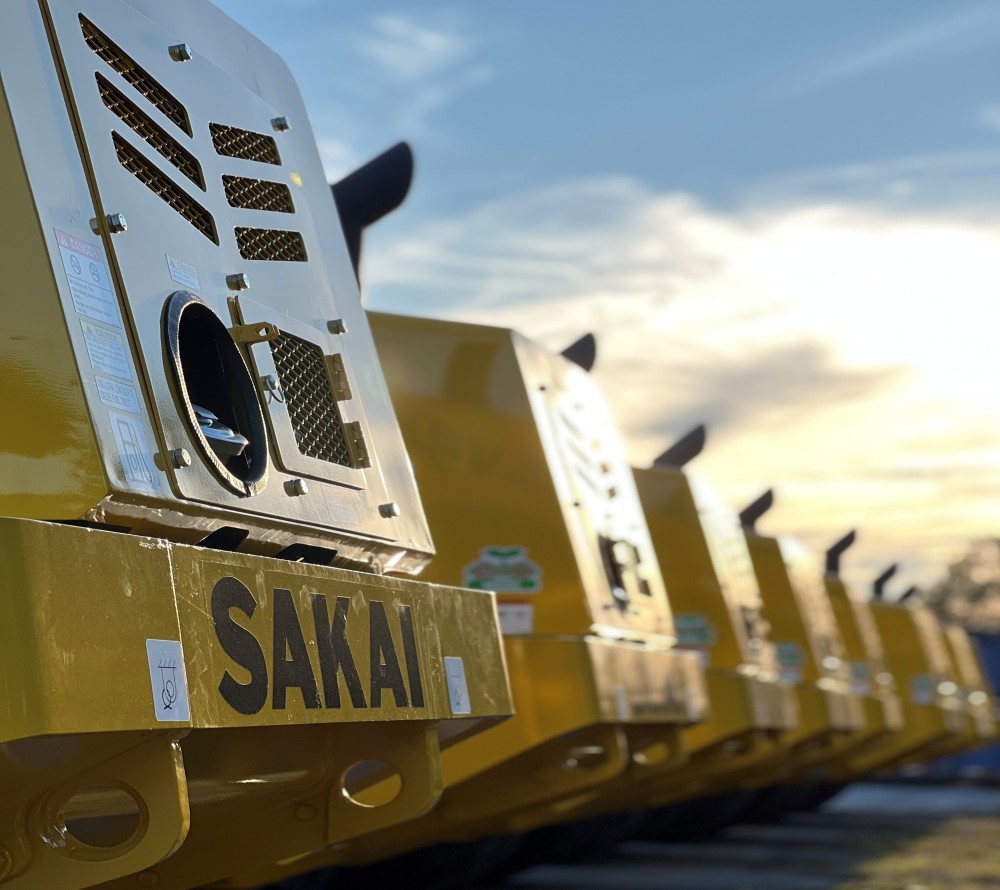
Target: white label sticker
x: 89, y: 284
x: 106, y: 350
x: 183, y: 273
x: 136, y: 458
x: 168, y: 680
x: 458, y: 689
x: 117, y: 395
x: 516, y: 618
x: 622, y: 707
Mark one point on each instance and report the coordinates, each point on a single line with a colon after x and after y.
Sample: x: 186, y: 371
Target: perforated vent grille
x: 155, y: 135
x: 234, y: 142
x: 258, y: 194
x: 271, y: 244
x: 319, y: 431
x: 157, y: 182
x: 137, y: 76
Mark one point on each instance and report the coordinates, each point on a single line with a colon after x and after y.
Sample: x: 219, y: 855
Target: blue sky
x: 779, y: 217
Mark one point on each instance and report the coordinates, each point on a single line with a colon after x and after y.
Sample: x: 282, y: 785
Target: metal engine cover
x: 175, y: 249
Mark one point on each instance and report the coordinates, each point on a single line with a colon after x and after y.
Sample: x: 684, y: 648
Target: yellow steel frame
x: 280, y: 705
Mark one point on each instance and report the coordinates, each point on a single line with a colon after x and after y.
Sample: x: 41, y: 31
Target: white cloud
x: 432, y: 62
x: 407, y: 48
x: 338, y: 158
x: 843, y: 353
x: 948, y: 33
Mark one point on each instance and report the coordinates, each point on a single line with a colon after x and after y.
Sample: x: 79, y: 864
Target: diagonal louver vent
x: 305, y: 383
x: 234, y: 142
x: 150, y: 176
x: 271, y: 244
x: 137, y: 76
x: 258, y: 194
x: 149, y: 130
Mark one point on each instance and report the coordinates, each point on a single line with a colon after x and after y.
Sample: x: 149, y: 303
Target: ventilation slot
x: 258, y: 194
x: 271, y: 244
x: 155, y: 135
x: 157, y: 182
x: 236, y: 143
x: 138, y: 77
x: 319, y: 431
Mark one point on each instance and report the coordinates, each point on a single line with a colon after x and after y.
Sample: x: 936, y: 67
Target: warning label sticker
x: 137, y: 461
x: 117, y: 395
x: 89, y: 283
x: 183, y: 273
x: 107, y: 350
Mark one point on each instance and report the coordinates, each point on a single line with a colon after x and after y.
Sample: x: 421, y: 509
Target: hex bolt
x: 280, y: 124
x: 337, y: 326
x: 238, y: 281
x: 180, y: 458
x: 180, y: 52
x: 116, y: 223
x: 95, y: 226
x: 296, y: 487
x: 388, y: 511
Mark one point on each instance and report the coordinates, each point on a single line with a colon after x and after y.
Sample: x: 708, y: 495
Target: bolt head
x: 296, y: 487
x: 337, y: 326
x: 117, y: 223
x: 180, y: 458
x: 180, y: 52
x: 238, y: 281
x: 95, y: 226
x: 280, y: 124
x: 388, y: 511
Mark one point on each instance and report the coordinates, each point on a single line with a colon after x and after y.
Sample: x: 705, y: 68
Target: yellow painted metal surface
x: 526, y: 485
x: 871, y: 678
x: 523, y: 478
x: 229, y: 696
x: 917, y: 658
x: 718, y: 612
x: 810, y: 653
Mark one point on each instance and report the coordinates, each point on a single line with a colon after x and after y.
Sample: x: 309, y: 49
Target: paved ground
x: 871, y: 837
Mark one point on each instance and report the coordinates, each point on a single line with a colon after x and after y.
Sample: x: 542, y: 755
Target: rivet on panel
x: 238, y: 281
x: 180, y: 458
x: 296, y: 487
x: 117, y: 223
x: 337, y: 326
x: 388, y: 511
x: 280, y: 124
x: 180, y: 52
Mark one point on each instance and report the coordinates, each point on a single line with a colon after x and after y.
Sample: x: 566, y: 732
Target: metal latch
x: 248, y: 334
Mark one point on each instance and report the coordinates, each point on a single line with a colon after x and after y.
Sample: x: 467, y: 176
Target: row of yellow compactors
x: 231, y: 654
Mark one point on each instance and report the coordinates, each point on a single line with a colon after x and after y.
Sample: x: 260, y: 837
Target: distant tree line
x: 969, y: 593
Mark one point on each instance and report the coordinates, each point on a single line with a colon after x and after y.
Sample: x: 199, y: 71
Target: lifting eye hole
x: 216, y: 393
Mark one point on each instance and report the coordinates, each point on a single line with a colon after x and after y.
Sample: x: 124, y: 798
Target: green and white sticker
x: 503, y: 569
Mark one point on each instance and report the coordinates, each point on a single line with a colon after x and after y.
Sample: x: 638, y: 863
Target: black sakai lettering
x: 290, y: 659
x: 240, y: 645
x: 334, y: 652
x: 410, y: 655
x: 384, y: 660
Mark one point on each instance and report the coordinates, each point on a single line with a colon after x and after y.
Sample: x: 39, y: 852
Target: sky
x: 779, y: 218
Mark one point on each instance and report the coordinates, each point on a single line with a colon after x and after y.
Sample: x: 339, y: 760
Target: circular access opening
x: 216, y: 392
x: 371, y: 783
x: 104, y: 817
